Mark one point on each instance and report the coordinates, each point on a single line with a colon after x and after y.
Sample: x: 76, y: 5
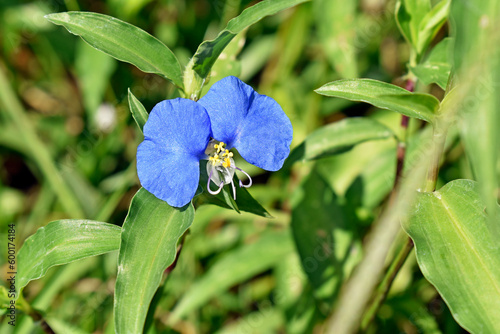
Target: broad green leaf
x: 122, y: 41
x: 383, y: 95
x: 61, y: 242
x: 458, y: 254
x: 437, y: 67
x: 336, y: 30
x: 244, y: 201
x: 234, y: 267
x: 138, y: 111
x: 148, y: 246
x: 338, y: 137
x: 209, y: 51
x: 326, y: 243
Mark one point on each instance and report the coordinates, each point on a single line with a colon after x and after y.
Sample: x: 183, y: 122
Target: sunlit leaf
x: 436, y: 68
x: 458, y: 253
x: 122, y: 41
x: 148, y: 246
x: 209, y: 51
x: 383, y: 95
x: 419, y: 23
x: 61, y: 242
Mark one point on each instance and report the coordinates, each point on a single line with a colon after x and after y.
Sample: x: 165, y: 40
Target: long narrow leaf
x: 138, y: 111
x: 122, y: 41
x: 61, y: 242
x: 383, y: 95
x: 149, y: 237
x: 209, y: 51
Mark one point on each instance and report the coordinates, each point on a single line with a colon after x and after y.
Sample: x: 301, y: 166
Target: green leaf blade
x: 148, y: 246
x: 437, y: 67
x: 62, y: 242
x: 209, y: 51
x: 458, y: 254
x: 122, y: 41
x: 138, y: 111
x: 383, y: 95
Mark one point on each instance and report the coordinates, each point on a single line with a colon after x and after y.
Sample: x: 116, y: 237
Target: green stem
x: 24, y: 306
x: 384, y: 287
x: 438, y: 138
x: 39, y: 152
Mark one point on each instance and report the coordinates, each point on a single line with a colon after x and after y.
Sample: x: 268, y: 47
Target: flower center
x: 221, y: 167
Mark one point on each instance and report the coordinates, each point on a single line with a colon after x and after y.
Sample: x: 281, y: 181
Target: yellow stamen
x: 226, y: 163
x: 227, y: 154
x: 219, y: 146
x: 214, y: 160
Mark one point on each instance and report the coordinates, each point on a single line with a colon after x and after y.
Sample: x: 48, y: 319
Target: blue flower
x: 180, y: 132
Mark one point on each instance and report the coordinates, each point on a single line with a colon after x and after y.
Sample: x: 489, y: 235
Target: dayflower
x: 181, y: 132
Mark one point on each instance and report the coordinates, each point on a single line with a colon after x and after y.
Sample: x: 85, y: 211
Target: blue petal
x: 175, y: 137
x: 252, y: 123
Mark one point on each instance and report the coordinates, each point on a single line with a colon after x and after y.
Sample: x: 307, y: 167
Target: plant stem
x: 39, y: 152
x: 401, y: 150
x: 385, y: 285
x: 34, y: 314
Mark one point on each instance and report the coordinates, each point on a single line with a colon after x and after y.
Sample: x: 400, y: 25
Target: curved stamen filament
x: 249, y: 179
x: 212, y: 191
x: 232, y: 184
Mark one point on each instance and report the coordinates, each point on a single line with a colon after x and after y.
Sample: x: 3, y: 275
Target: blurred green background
x: 237, y: 273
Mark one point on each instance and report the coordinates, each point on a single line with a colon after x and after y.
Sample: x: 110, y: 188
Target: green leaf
x: 138, y: 111
x: 227, y: 64
x: 244, y: 201
x: 409, y: 13
x: 458, y: 254
x: 431, y: 23
x: 419, y: 23
x: 383, y: 95
x: 61, y: 242
x: 148, y: 246
x: 338, y: 137
x: 326, y: 244
x: 437, y: 67
x: 235, y: 267
x: 122, y: 41
x: 209, y: 51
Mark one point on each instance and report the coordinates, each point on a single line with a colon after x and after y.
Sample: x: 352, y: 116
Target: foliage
x: 395, y: 122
